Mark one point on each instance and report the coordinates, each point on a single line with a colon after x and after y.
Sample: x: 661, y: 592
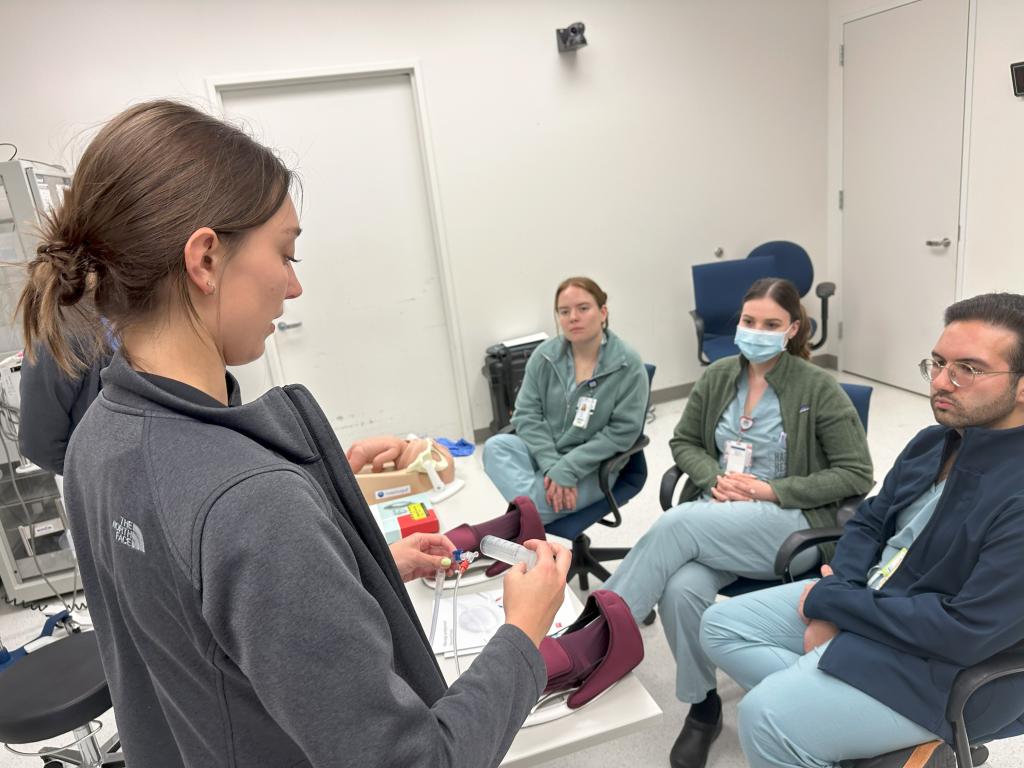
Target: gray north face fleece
x: 241, y: 618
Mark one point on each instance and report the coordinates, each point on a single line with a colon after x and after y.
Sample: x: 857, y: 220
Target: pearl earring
x: 211, y: 286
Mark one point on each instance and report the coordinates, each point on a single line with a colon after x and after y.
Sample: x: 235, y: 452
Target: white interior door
x: 903, y: 107
x: 369, y: 334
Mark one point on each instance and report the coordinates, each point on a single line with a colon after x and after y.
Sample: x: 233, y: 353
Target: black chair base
x: 586, y: 560
x: 91, y: 755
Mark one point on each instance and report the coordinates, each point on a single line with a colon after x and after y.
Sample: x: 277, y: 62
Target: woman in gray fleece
x: 247, y: 611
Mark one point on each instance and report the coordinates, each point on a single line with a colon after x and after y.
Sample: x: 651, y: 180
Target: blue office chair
x: 632, y: 468
x: 860, y: 396
x: 719, y: 287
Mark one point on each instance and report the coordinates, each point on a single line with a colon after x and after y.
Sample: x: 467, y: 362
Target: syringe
x: 507, y: 551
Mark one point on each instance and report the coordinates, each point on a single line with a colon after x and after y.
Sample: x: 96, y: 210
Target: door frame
x: 834, y: 171
x: 218, y: 85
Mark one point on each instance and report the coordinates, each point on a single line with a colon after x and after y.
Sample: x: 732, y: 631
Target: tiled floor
x: 895, y: 416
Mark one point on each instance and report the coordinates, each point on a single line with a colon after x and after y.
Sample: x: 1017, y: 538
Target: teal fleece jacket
x: 826, y: 450
x: 545, y: 409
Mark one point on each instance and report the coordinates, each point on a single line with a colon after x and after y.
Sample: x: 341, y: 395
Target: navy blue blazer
x: 958, y: 597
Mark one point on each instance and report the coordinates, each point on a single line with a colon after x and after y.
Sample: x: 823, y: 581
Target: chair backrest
x: 719, y: 288
x: 633, y: 476
x: 650, y: 368
x: 860, y: 396
x: 791, y: 262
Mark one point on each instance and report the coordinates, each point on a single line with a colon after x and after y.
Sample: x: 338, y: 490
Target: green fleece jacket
x: 546, y: 408
x: 826, y: 449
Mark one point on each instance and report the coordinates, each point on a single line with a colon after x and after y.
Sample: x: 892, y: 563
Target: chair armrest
x: 508, y: 429
x: 824, y: 291
x: 796, y: 543
x: 698, y: 323
x: 848, y: 508
x: 604, y: 473
x: 1008, y: 662
x: 669, y: 481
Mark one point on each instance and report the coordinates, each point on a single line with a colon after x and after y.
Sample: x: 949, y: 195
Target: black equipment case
x: 505, y: 368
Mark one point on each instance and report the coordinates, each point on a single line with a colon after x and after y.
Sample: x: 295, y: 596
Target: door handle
x: 283, y: 326
x: 943, y: 243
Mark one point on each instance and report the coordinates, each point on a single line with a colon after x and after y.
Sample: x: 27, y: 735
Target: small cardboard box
x: 384, y: 486
x: 408, y: 515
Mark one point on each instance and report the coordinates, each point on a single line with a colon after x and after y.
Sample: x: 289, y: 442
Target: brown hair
x: 586, y: 284
x: 785, y: 294
x: 150, y: 178
x: 1003, y: 310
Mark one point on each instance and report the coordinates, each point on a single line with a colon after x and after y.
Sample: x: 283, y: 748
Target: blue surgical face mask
x: 760, y: 346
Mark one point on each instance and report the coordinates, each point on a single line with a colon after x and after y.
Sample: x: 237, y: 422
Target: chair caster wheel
x: 649, y: 618
x: 979, y: 754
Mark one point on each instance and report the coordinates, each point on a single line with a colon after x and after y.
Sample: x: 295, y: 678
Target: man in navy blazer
x: 927, y: 579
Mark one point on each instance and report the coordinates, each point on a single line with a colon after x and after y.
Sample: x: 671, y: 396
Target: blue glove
x: 460, y: 447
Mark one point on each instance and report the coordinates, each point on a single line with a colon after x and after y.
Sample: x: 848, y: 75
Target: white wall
x: 685, y: 125
x: 993, y: 238
x: 995, y: 190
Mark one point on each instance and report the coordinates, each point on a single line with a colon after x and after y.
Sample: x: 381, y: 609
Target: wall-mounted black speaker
x: 1017, y: 73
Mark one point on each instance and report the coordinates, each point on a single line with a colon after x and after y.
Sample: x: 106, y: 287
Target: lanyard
x: 881, y: 575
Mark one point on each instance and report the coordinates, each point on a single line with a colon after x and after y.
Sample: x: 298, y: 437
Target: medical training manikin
x: 416, y: 455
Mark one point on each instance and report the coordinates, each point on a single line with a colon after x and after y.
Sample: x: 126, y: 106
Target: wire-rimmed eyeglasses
x: 960, y: 374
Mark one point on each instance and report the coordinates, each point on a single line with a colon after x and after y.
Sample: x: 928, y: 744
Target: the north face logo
x: 128, y: 533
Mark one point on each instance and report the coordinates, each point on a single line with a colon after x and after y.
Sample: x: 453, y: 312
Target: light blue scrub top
x: 765, y: 434
x: 571, y: 386
x: 909, y: 524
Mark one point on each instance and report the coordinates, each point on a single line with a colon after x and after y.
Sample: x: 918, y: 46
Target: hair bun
x: 71, y: 266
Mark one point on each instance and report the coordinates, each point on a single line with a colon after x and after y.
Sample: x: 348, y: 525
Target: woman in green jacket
x: 583, y: 399
x: 771, y: 444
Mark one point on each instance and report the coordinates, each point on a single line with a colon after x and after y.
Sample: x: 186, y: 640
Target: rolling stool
x: 59, y: 688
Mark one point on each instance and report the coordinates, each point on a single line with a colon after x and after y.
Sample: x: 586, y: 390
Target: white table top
x: 625, y: 708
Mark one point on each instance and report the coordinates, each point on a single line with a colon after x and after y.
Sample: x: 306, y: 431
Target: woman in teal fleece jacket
x: 771, y: 444
x: 583, y: 399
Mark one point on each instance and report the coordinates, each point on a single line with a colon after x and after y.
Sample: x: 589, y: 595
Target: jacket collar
x: 777, y: 376
x: 611, y: 358
x: 270, y: 420
x: 981, y: 449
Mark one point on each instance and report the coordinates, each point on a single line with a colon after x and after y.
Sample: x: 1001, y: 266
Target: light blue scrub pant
x: 690, y: 553
x: 795, y: 715
x: 507, y: 461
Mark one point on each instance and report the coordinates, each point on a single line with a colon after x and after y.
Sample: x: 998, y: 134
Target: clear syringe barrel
x: 507, y: 551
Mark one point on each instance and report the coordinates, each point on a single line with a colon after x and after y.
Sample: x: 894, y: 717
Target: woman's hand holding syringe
x: 534, y: 594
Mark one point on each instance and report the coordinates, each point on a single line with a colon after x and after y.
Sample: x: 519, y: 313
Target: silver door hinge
x: 840, y: 199
x: 840, y: 329
x: 842, y: 55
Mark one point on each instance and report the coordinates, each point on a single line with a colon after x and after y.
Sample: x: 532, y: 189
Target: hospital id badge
x: 585, y: 408
x: 738, y: 456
